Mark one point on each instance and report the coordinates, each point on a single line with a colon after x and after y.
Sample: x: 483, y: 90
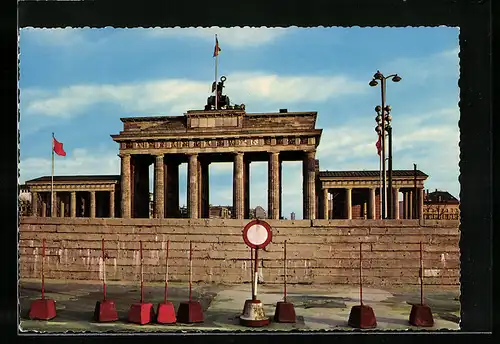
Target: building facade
x: 441, y: 205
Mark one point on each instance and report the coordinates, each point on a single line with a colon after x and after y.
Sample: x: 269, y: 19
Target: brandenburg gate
x: 202, y: 137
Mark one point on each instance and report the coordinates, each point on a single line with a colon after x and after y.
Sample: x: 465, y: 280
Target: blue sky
x: 77, y: 83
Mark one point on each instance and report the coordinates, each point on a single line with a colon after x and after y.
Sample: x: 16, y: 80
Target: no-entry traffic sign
x: 257, y: 234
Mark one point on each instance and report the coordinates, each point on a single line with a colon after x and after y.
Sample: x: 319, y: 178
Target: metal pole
x: 421, y: 276
x: 414, y: 210
x: 166, y: 272
x: 251, y: 267
x: 284, y: 271
x: 256, y: 274
x: 142, y: 273
x: 390, y: 194
x: 52, y: 206
x: 43, y: 277
x: 360, y: 275
x: 190, y: 270
x: 381, y: 180
x: 384, y: 176
x: 103, y: 270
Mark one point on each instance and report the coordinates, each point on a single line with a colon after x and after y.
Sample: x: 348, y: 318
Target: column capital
x: 311, y: 154
x: 159, y: 155
x: 124, y: 155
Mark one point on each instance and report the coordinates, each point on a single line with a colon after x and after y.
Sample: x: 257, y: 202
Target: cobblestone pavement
x: 317, y: 307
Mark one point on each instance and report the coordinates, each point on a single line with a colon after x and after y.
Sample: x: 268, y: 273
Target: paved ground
x: 317, y: 307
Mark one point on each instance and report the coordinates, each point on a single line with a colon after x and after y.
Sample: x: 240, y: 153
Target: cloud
x: 60, y: 37
x: 428, y: 68
x: 175, y: 96
x: 235, y: 37
x: 77, y: 162
x: 429, y: 140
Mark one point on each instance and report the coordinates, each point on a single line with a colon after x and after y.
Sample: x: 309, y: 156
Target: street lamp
x: 383, y: 127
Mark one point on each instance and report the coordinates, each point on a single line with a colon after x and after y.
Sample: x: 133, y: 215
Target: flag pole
x: 52, y: 181
x: 216, y: 69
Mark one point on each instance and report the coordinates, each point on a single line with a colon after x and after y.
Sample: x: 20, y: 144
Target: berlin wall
x: 318, y: 251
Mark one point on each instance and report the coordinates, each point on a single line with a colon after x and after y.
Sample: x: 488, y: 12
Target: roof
x: 373, y: 173
x: 76, y: 178
x: 441, y: 197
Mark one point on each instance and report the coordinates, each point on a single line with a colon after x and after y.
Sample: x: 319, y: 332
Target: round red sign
x: 257, y: 234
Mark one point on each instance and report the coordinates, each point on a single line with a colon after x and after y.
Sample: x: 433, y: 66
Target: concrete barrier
x: 318, y: 251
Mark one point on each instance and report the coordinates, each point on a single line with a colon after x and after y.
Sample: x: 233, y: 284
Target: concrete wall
x: 319, y: 251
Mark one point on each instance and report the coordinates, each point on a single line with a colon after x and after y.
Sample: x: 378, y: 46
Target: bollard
x: 141, y: 313
x: 165, y: 313
x: 43, y: 309
x: 361, y: 316
x: 105, y: 310
x: 421, y: 314
x: 285, y: 311
x: 190, y: 311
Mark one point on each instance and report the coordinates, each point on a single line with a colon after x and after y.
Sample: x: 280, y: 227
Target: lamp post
x: 383, y: 119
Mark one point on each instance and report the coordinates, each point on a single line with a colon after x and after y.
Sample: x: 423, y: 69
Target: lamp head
x: 373, y: 83
x: 388, y: 108
x: 388, y: 118
x: 378, y: 129
x: 378, y: 108
x: 396, y: 78
x: 378, y: 76
x: 378, y: 119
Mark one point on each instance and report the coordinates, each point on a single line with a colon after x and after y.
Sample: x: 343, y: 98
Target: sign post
x: 257, y: 234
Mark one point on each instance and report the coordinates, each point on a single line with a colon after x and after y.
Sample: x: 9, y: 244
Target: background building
x: 441, y: 205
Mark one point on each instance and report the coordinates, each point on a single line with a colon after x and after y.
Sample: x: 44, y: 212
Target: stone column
x: 410, y: 205
x: 34, y: 204
x: 112, y: 203
x: 421, y: 203
x: 348, y: 203
x: 396, y: 203
x: 405, y: 205
x: 73, y: 204
x: 309, y: 185
x: 61, y: 207
x: 193, y: 186
x: 238, y: 187
x: 273, y: 198
x: 44, y: 206
x: 280, y: 190
x: 92, y: 204
x: 371, y: 204
x: 331, y: 205
x: 246, y: 187
x: 159, y: 188
x: 325, y: 203
x: 125, y: 186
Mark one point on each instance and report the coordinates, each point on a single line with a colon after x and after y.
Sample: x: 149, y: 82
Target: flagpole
x: 216, y: 70
x: 52, y: 181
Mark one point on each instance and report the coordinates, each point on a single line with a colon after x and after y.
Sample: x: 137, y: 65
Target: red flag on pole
x: 216, y: 49
x: 58, y: 147
x: 379, y: 144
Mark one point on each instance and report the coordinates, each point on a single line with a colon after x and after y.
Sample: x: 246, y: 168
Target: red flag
x: 216, y: 49
x: 379, y: 144
x: 58, y: 147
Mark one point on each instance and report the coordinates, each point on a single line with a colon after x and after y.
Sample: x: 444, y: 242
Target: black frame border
x: 473, y: 17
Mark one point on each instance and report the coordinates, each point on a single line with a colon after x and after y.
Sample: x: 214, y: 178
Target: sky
x: 78, y: 83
